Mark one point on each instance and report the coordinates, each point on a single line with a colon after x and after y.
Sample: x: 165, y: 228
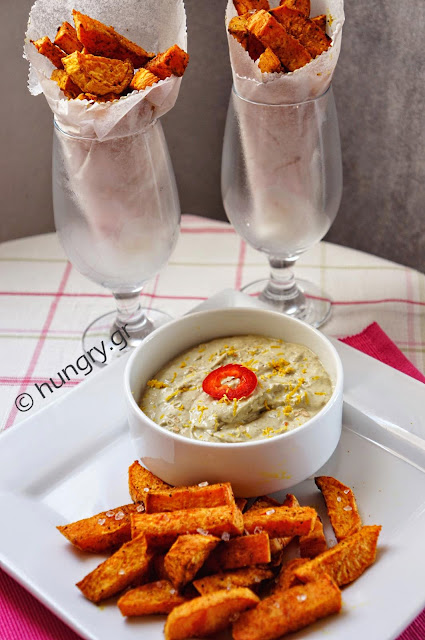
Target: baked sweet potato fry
x: 92, y: 97
x: 67, y: 39
x: 208, y: 614
x: 46, y: 47
x: 102, y: 532
x: 141, y: 481
x: 240, y: 552
x: 241, y: 503
x: 307, y: 32
x: 143, y: 79
x: 286, y: 577
x: 214, y: 495
x: 288, y: 611
x: 269, y: 62
x: 94, y: 74
x: 162, y: 529
x: 186, y: 557
x: 126, y: 566
x: 151, y: 598
x: 320, y: 21
x: 314, y: 542
x: 303, y: 6
x: 101, y: 40
x: 239, y: 30
x: 243, y: 6
x: 341, y: 506
x: 280, y: 521
x: 271, y: 33
x: 346, y: 561
x: 263, y: 502
x: 246, y: 577
x: 65, y: 83
x: 171, y: 62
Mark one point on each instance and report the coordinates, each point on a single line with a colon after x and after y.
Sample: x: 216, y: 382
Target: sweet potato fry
x: 140, y: 481
x: 66, y: 38
x: 186, y: 557
x: 214, y: 495
x: 171, y: 62
x: 307, y: 32
x: 263, y: 502
x: 65, y: 83
x: 101, y: 40
x: 286, y: 577
x: 289, y: 610
x: 303, y: 6
x: 208, y: 614
x: 162, y: 529
x: 239, y: 30
x: 126, y: 566
x: 46, y: 47
x: 243, y: 6
x: 346, y: 561
x: 271, y: 33
x: 320, y: 21
x: 280, y: 521
x: 91, y: 97
x: 341, y: 505
x: 269, y: 62
x: 314, y: 542
x: 151, y: 598
x: 158, y: 568
x: 290, y: 501
x: 102, y: 532
x: 246, y: 577
x: 143, y: 79
x: 94, y: 74
x: 240, y: 552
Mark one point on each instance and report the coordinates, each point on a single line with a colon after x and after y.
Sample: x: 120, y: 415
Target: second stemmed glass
x: 117, y: 215
x: 281, y: 187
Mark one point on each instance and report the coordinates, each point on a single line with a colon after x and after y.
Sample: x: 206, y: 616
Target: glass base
x: 105, y: 339
x: 315, y: 309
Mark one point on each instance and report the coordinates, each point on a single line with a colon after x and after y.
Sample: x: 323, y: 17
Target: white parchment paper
x: 155, y: 25
x: 303, y: 84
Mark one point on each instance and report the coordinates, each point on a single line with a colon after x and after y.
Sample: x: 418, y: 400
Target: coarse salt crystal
x: 101, y: 521
x: 270, y: 512
x: 258, y: 529
x: 119, y: 515
x: 229, y: 586
x: 347, y: 508
x: 225, y: 536
x: 140, y: 508
x: 202, y: 531
x: 245, y: 532
x: 277, y: 605
x: 234, y: 616
x: 109, y: 514
x: 257, y: 579
x: 121, y: 572
x: 172, y: 591
x: 346, y: 491
x: 339, y: 499
x: 146, y: 489
x: 302, y: 597
x: 203, y: 484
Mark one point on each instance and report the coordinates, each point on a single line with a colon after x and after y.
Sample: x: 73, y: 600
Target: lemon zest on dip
x: 156, y: 384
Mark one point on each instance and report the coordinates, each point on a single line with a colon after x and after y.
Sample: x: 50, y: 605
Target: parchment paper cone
x: 153, y: 24
x: 277, y: 145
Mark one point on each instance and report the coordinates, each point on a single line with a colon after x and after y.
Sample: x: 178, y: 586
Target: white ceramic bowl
x: 256, y: 467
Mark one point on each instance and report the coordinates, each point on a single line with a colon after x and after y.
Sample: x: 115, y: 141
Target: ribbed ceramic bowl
x: 254, y: 467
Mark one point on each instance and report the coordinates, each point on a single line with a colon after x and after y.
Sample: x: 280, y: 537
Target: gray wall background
x: 379, y: 88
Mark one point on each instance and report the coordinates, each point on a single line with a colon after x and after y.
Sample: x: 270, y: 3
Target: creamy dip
x: 292, y: 387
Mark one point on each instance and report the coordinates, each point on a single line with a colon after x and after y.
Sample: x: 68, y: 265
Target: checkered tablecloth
x: 46, y: 305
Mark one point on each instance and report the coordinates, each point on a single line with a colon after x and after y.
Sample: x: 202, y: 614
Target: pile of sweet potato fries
x: 194, y: 553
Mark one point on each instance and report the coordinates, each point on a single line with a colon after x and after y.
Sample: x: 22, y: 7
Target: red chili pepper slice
x: 214, y: 386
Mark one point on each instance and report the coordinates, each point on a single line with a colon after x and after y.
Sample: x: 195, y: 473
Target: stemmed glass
x: 281, y: 188
x: 117, y: 215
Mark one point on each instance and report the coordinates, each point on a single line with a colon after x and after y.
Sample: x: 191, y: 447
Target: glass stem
x: 129, y: 312
x: 282, y: 289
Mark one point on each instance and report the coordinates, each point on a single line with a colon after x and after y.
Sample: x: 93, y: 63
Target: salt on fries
x: 190, y: 553
x: 96, y: 63
x: 281, y: 39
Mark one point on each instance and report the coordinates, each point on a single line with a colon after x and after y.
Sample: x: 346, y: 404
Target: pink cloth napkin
x: 22, y: 617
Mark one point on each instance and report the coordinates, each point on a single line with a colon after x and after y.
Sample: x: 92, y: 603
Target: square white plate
x: 70, y: 461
